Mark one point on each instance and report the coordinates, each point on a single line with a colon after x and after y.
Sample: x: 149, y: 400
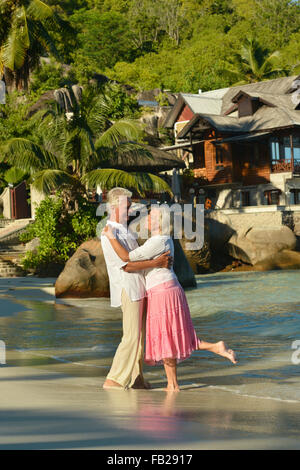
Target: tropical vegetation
x: 181, y: 45
x: 175, y: 45
x: 76, y: 152
x: 59, y: 232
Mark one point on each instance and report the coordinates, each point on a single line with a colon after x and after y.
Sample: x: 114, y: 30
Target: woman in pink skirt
x: 170, y: 335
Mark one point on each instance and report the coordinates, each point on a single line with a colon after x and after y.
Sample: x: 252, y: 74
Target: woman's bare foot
x: 172, y: 388
x: 222, y: 350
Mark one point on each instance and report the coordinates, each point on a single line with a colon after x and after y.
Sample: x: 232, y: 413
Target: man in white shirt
x: 127, y: 289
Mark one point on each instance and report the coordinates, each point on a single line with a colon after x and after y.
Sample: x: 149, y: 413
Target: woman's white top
x: 152, y: 248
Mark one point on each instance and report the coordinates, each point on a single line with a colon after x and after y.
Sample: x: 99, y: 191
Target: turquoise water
x: 256, y: 313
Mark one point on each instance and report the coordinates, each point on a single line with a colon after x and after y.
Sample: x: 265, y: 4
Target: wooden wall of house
x: 251, y: 163
x: 186, y: 114
x: 248, y: 164
x: 215, y: 173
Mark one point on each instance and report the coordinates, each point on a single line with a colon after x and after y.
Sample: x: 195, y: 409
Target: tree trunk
x: 9, y: 80
x: 17, y: 80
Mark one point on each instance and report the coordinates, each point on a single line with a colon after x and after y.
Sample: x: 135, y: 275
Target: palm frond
x: 270, y: 62
x: 14, y: 175
x: 49, y: 180
x: 152, y: 183
x: 27, y: 155
x: 79, y: 146
x: 94, y: 107
x: 39, y: 10
x: 40, y: 35
x: 14, y: 49
x: 124, y: 129
x: 140, y: 182
x: 109, y: 178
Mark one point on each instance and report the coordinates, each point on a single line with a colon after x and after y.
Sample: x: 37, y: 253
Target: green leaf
x: 26, y: 155
x: 141, y: 182
x: 39, y: 10
x: 46, y: 181
x: 14, y: 49
x: 121, y: 130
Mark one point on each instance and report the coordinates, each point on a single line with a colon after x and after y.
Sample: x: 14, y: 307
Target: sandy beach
x: 42, y: 409
x: 52, y: 403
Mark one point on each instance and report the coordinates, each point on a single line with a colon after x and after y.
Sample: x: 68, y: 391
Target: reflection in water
x: 165, y: 416
x: 153, y: 418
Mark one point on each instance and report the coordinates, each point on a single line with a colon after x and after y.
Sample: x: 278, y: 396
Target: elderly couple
x: 154, y: 306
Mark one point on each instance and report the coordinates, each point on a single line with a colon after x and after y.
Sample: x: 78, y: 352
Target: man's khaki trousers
x: 128, y: 361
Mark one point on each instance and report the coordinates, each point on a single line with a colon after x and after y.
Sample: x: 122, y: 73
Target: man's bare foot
x: 111, y: 384
x: 222, y: 350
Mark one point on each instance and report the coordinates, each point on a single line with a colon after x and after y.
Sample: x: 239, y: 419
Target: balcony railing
x: 279, y: 166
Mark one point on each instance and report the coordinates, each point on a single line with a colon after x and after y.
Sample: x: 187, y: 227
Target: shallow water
x: 256, y: 313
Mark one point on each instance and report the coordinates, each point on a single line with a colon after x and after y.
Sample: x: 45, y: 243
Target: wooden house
x: 243, y: 143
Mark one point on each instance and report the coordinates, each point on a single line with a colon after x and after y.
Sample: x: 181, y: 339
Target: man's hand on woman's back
x: 164, y: 260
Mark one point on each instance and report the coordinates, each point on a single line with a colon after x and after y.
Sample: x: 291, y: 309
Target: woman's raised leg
x: 218, y: 348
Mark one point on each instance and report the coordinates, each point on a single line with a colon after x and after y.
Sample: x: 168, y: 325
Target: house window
x: 275, y: 149
x: 272, y: 196
x: 281, y: 148
x: 296, y: 147
x: 245, y: 198
x: 295, y: 198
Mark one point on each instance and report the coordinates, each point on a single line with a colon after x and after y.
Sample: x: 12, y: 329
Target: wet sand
x: 46, y: 404
x: 47, y: 409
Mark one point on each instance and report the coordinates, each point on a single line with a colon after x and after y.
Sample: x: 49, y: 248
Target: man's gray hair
x: 114, y: 195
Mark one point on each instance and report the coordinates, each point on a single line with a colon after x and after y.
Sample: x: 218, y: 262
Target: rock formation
x: 258, y: 243
x: 85, y: 273
x: 285, y: 259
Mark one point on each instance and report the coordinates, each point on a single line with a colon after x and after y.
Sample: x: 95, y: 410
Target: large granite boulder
x: 285, y: 259
x: 220, y: 230
x: 85, y: 273
x: 200, y: 259
x: 259, y: 243
x: 182, y: 267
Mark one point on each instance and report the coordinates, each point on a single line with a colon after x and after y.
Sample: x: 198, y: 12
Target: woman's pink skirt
x: 169, y: 332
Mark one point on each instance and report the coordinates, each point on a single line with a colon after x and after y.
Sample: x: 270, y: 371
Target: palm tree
x: 73, y: 152
x: 25, y: 39
x: 254, y: 63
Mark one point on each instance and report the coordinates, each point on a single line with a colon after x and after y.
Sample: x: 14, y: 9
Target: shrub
x: 60, y: 233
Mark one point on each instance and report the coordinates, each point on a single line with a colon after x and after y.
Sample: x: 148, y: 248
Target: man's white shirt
x: 133, y: 283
